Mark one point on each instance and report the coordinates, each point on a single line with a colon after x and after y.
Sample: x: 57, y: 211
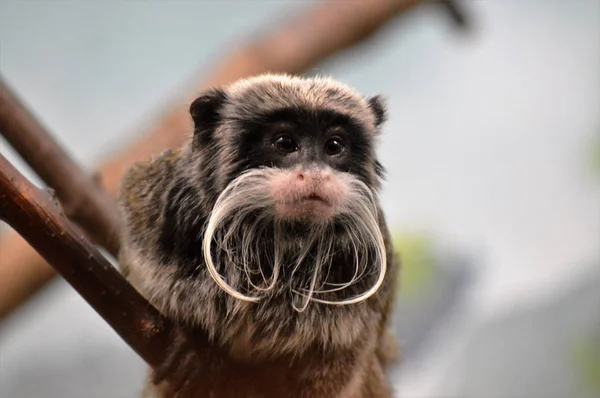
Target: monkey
x: 263, y: 235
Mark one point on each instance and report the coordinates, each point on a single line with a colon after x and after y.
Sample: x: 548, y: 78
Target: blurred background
x: 493, y: 191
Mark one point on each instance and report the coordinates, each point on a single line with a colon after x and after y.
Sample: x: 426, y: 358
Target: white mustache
x: 244, y: 209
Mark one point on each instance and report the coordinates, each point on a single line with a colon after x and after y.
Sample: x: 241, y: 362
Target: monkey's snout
x: 312, y: 185
x: 311, y: 193
x: 313, y: 177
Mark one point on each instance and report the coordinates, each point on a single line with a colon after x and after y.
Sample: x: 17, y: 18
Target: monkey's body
x: 265, y: 348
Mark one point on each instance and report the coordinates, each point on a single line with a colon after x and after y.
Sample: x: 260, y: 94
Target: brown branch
x: 82, y: 200
x: 33, y: 214
x: 457, y: 13
x: 321, y: 31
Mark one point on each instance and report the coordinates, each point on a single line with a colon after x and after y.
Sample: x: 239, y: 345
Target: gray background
x: 487, y: 147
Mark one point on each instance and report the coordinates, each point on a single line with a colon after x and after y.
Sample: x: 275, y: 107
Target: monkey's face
x: 314, y: 155
x: 293, y: 167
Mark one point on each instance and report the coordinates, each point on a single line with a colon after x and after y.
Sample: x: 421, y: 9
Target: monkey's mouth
x: 314, y: 197
x: 311, y: 206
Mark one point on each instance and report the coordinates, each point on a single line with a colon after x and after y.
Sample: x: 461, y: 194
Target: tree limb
x: 82, y: 200
x: 34, y: 215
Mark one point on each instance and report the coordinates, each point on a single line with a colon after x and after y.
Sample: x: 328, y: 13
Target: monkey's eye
x: 334, y: 146
x: 285, y: 144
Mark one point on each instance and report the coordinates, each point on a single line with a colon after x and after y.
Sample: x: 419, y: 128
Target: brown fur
x: 241, y: 349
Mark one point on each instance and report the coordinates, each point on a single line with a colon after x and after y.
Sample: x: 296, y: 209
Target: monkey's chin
x: 308, y: 210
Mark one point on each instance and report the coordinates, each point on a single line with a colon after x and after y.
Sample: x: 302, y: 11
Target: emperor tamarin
x: 264, y: 235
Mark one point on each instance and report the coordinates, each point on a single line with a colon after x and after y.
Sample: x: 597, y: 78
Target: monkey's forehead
x: 273, y: 92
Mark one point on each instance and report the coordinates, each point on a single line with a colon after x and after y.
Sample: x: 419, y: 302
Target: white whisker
x: 241, y: 219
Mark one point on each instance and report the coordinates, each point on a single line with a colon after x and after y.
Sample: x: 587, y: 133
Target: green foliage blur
x: 586, y: 357
x: 417, y: 269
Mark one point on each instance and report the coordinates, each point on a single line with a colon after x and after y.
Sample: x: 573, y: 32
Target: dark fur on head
x: 227, y: 169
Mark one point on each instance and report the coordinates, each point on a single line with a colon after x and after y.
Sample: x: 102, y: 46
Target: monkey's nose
x: 313, y: 176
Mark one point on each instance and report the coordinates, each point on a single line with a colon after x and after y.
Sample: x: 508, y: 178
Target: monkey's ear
x: 205, y: 113
x: 377, y: 105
